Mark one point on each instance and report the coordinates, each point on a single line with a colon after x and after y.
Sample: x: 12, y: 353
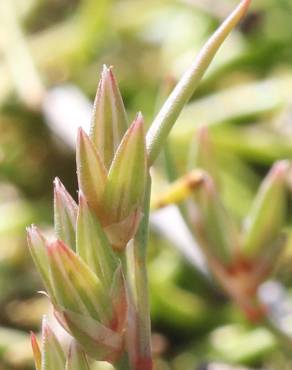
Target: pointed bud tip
x: 138, y: 122
x: 36, y: 350
x: 203, y: 134
x: 81, y: 198
x: 105, y: 68
x: 34, y: 235
x: 33, y: 339
x: 280, y: 169
x: 107, y: 75
x: 46, y: 330
x: 54, y: 247
x: 58, y: 247
x: 245, y: 4
x: 80, y: 134
x: 30, y: 230
x: 82, y: 137
x: 57, y: 182
x: 58, y: 188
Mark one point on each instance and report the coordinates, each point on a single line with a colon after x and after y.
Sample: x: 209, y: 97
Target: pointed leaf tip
x: 53, y: 356
x: 76, y: 287
x: 76, y: 358
x: 202, y: 155
x: 266, y: 218
x: 109, y: 121
x: 38, y: 247
x: 214, y: 228
x: 34, y: 236
x: 246, y: 4
x: 36, y: 351
x: 92, y: 243
x: 65, y: 214
x: 127, y: 176
x: 91, y: 172
x: 167, y: 116
x: 279, y: 170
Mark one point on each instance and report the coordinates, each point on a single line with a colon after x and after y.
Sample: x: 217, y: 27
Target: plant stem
x: 144, y: 356
x: 123, y: 363
x: 185, y: 88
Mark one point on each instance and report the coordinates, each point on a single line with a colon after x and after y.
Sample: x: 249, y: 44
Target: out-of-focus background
x: 51, y: 55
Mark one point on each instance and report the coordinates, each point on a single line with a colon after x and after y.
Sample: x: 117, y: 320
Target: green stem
x: 123, y: 363
x: 185, y: 88
x: 143, y: 355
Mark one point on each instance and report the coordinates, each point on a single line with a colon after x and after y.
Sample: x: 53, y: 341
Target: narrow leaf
x: 76, y: 359
x: 185, y: 88
x: 213, y: 227
x: 38, y: 248
x: 109, y: 121
x: 36, y: 351
x: 267, y: 261
x: 118, y: 294
x: 127, y: 176
x: 92, y: 244
x: 119, y: 233
x: 266, y: 218
x: 202, y: 155
x: 65, y: 214
x: 91, y: 172
x: 99, y: 341
x: 53, y: 357
x: 76, y: 287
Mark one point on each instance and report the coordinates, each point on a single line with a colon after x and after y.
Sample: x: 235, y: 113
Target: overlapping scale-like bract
x: 81, y: 268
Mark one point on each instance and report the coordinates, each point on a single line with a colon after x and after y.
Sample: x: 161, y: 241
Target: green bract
x: 51, y: 355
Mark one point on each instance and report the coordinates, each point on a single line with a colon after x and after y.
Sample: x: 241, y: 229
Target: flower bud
x: 110, y: 120
x: 91, y: 172
x: 102, y: 342
x: 76, y: 287
x: 266, y: 218
x: 214, y: 229
x: 125, y: 187
x: 92, y: 312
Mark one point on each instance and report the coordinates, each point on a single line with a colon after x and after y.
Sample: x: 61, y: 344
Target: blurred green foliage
x: 246, y: 99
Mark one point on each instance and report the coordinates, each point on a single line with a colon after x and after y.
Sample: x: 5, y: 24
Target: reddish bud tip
x: 280, y: 169
x: 33, y: 340
x: 36, y: 351
x: 34, y: 237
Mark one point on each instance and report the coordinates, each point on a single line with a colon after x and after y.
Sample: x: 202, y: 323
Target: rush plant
x: 94, y: 271
x: 241, y: 255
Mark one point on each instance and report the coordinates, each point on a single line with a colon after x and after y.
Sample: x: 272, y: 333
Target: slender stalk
x: 185, y: 88
x: 144, y: 356
x: 123, y: 363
